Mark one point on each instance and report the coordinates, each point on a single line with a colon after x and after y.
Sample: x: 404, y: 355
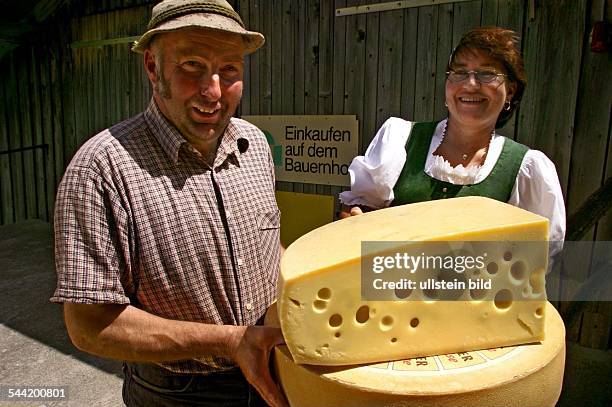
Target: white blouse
x: 374, y: 175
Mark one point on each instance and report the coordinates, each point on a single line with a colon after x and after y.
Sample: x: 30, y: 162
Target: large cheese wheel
x: 521, y: 376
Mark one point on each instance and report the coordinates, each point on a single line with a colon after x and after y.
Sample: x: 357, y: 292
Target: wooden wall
x: 55, y: 96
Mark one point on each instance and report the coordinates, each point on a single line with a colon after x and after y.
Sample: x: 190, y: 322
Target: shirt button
x: 248, y: 306
x: 240, y: 262
x: 444, y: 189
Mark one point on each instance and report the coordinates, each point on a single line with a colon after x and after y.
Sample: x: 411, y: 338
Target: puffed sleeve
x: 537, y: 189
x: 374, y: 174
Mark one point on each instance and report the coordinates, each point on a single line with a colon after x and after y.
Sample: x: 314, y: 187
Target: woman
x: 462, y: 155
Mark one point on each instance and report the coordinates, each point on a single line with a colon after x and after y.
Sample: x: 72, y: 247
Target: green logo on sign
x: 277, y: 151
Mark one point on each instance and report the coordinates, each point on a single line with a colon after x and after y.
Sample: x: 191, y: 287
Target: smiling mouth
x: 471, y: 100
x: 205, y: 110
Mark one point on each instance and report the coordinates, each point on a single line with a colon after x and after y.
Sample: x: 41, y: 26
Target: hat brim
x: 252, y: 39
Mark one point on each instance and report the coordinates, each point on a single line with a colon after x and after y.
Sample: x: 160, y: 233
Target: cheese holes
x: 492, y: 268
x: 503, y: 299
x: 430, y: 293
x: 319, y: 305
x: 402, y: 293
x: 508, y: 256
x: 536, y: 281
x: 414, y: 322
x: 363, y: 314
x: 393, y: 340
x: 539, y: 312
x: 477, y: 294
x: 335, y: 320
x: 518, y: 270
x: 337, y: 334
x: 386, y: 323
x: 324, y: 294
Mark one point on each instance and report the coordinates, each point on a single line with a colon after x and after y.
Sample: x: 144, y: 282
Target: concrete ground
x: 35, y: 350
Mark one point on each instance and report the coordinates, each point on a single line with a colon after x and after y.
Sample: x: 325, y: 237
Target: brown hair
x: 501, y: 44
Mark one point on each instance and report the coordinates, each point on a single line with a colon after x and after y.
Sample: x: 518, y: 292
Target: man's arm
x: 125, y: 332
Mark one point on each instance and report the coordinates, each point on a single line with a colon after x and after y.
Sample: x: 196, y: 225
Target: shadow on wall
x: 27, y: 282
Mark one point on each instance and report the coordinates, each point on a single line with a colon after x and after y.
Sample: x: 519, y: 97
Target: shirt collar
x: 165, y: 132
x: 233, y: 141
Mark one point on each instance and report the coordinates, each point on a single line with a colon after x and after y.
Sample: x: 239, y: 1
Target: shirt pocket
x: 268, y: 225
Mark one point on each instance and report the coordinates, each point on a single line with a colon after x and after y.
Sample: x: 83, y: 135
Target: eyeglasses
x: 479, y: 76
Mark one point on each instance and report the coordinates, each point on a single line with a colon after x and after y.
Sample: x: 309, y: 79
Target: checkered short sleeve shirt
x: 140, y: 219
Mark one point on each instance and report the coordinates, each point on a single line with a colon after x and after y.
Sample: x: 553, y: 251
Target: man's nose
x: 211, y: 88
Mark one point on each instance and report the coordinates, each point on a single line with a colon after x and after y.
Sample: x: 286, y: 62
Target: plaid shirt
x: 141, y: 219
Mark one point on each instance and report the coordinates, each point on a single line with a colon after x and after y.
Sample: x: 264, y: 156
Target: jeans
x: 149, y: 385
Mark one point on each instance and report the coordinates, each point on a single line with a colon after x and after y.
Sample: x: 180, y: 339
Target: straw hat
x: 171, y: 15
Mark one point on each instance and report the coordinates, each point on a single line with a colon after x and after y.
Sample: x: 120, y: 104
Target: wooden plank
x: 326, y: 67
x: 311, y: 67
x: 338, y: 96
x: 589, y: 149
x: 70, y: 89
x: 284, y: 44
x: 390, y: 66
x: 371, y: 79
x: 255, y: 59
x: 465, y: 17
x: 15, y: 142
x: 354, y: 79
x: 390, y: 6
x: 444, y: 48
x: 6, y: 183
x: 26, y: 136
x: 547, y: 112
x: 45, y: 60
x: 426, y: 56
x: 37, y: 135
x: 326, y: 57
x: 57, y: 84
x: 510, y: 14
x: 409, y: 57
x: 277, y: 57
x: 299, y: 38
x: 489, y: 12
x: 245, y: 105
x: 265, y: 63
x: 311, y: 58
x: 339, y: 55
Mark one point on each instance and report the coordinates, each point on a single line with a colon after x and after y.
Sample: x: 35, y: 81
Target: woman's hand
x: 348, y: 211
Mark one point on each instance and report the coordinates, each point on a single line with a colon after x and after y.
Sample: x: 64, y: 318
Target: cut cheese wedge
x: 325, y: 321
x: 522, y: 376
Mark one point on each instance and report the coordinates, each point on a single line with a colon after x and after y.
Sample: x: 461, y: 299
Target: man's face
x: 197, y: 82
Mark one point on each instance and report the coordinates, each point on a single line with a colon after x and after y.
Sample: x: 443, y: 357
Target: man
x: 167, y: 228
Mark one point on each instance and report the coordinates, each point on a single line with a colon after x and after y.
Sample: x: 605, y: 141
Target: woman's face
x: 472, y: 103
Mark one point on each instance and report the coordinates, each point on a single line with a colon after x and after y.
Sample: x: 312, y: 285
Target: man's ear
x: 150, y: 66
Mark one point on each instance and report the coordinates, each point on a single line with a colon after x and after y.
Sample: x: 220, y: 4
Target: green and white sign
x: 311, y: 149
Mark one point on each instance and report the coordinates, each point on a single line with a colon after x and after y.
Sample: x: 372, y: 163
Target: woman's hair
x: 501, y: 44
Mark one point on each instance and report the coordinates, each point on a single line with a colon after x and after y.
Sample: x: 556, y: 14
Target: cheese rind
x: 325, y: 321
x: 526, y: 375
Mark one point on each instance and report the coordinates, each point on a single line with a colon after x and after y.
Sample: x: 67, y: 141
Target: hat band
x: 190, y: 9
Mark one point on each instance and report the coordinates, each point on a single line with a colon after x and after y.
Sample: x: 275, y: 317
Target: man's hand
x: 251, y: 352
